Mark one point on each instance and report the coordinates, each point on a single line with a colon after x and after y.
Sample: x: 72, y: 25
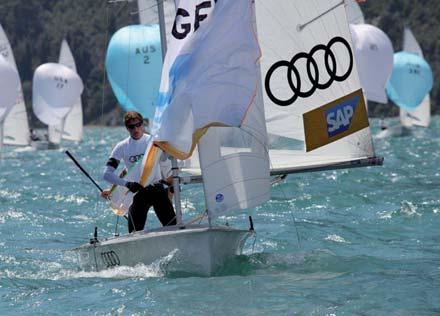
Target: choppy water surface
x: 351, y: 242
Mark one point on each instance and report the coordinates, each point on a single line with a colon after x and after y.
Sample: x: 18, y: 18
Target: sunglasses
x: 132, y: 126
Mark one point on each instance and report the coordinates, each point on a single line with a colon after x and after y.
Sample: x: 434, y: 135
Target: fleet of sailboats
x: 15, y: 124
x: 375, y: 61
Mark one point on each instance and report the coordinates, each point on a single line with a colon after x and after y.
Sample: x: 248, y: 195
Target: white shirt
x: 132, y: 151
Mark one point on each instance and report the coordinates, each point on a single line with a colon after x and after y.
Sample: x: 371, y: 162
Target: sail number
x: 200, y: 13
x: 60, y: 82
x: 145, y: 51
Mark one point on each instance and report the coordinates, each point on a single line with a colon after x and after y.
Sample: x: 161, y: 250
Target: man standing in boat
x: 132, y: 150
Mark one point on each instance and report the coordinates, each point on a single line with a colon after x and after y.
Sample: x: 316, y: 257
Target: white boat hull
x: 196, y: 249
x: 44, y: 145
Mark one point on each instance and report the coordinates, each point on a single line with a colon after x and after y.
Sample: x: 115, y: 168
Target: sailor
x: 131, y: 150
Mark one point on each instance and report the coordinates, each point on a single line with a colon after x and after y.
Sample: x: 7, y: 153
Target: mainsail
x: 312, y: 93
x: 421, y: 115
x: 15, y: 125
x: 71, y: 127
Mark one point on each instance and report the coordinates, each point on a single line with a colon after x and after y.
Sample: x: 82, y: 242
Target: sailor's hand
x: 106, y: 194
x: 134, y: 186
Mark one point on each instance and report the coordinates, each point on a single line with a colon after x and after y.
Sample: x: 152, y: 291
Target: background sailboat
x: 374, y: 54
x: 15, y: 124
x: 374, y: 59
x: 71, y: 127
x: 421, y: 115
x: 408, y: 87
x: 9, y: 83
x: 55, y: 90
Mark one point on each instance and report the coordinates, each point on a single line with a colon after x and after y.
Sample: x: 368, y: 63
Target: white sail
x: 71, y: 127
x: 15, y: 125
x: 421, y: 115
x: 305, y: 102
x: 410, y: 43
x: 234, y: 161
x: 9, y: 81
x: 217, y: 86
x: 55, y: 90
x: 374, y: 59
x: 354, y: 12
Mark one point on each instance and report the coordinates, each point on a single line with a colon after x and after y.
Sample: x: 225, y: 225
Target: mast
x: 174, y: 166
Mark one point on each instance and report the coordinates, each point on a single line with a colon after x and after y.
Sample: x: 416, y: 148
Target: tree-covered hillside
x: 36, y: 28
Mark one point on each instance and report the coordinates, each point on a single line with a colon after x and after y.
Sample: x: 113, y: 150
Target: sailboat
x: 15, y: 125
x: 374, y: 54
x: 374, y: 57
x: 71, y: 127
x: 307, y: 87
x: 421, y: 115
x: 56, y: 88
x: 409, y: 87
x: 9, y: 82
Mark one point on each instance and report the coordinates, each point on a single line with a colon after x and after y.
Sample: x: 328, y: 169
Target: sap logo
x: 339, y: 117
x: 200, y: 13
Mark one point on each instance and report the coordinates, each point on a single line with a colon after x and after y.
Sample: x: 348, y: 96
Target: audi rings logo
x: 110, y: 258
x: 330, y: 62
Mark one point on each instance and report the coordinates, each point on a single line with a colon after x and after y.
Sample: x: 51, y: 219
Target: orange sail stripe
x: 149, y: 163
